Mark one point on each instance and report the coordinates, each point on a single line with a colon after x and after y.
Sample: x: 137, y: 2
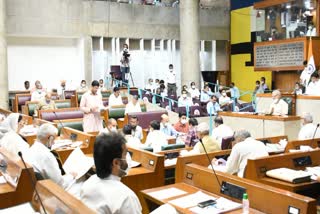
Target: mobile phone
x: 207, y: 203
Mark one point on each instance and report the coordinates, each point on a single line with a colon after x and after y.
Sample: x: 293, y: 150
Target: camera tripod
x: 127, y: 78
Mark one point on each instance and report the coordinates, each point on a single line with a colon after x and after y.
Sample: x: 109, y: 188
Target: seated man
x: 150, y: 86
x: 213, y: 106
x: 245, y: 148
x: 111, y: 127
x: 45, y: 104
x: 313, y: 88
x: 43, y: 161
x: 166, y: 127
x: 184, y: 100
x: 194, y: 91
x: 156, y: 138
x: 205, y: 94
x: 136, y: 129
x: 206, y: 143
x: 192, y: 137
x: 308, y: 130
x: 104, y: 192
x: 221, y: 130
x: 115, y: 99
x: 133, y: 106
x: 278, y: 106
x: 38, y: 94
x: 182, y: 125
x: 131, y: 140
x: 224, y: 100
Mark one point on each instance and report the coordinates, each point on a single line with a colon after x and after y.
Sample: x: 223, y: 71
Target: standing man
x: 91, y: 103
x: 125, y: 65
x: 171, y: 80
x: 234, y: 91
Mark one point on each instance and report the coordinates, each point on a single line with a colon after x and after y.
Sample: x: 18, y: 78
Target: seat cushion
x: 172, y: 146
x: 61, y: 115
x: 77, y: 125
x: 65, y: 104
x: 146, y: 117
x: 31, y: 108
x: 116, y: 113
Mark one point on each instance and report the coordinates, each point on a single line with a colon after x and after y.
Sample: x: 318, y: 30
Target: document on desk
x: 2, y: 180
x: 170, y: 162
x: 315, y: 171
x: 289, y: 175
x: 222, y: 205
x: 21, y: 208
x: 78, y: 162
x: 191, y: 200
x: 167, y: 193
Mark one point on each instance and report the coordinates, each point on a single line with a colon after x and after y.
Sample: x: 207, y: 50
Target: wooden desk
x: 295, y: 144
x: 20, y: 191
x: 256, y: 169
x: 87, y: 139
x: 189, y: 189
x: 261, y: 126
x: 306, y: 103
x: 57, y: 200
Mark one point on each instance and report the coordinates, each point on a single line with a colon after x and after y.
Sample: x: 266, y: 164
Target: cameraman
x: 125, y: 64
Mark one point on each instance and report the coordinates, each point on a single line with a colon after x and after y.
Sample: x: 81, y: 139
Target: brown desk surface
x: 264, y: 117
x: 5, y: 188
x: 287, y: 185
x: 187, y: 188
x: 308, y: 97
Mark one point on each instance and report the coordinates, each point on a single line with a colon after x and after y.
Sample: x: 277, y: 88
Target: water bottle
x: 245, y: 204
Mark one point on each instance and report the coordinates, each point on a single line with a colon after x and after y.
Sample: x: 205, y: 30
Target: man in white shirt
x: 221, y: 130
x: 43, y: 161
x: 278, y: 107
x: 213, y: 106
x: 61, y: 89
x: 205, y: 94
x: 308, y: 130
x: 136, y: 129
x: 133, y: 106
x: 104, y: 192
x: 234, y: 91
x: 194, y: 91
x: 115, y: 99
x: 156, y: 138
x: 245, y: 148
x: 91, y: 104
x: 171, y: 80
x: 166, y: 127
x: 38, y: 94
x: 184, y: 100
x: 131, y: 140
x: 305, y: 74
x: 149, y: 86
x: 224, y: 100
x: 313, y: 88
x: 111, y: 127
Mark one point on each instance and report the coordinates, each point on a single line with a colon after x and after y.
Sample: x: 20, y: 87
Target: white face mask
x: 310, y: 27
x: 171, y: 70
x: 183, y: 121
x: 276, y: 101
x: 113, y: 129
x: 184, y: 95
x: 83, y: 85
x: 193, y: 87
x: 224, y: 94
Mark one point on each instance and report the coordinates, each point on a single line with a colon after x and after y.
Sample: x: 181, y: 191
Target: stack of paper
x: 167, y: 193
x: 78, y: 163
x: 290, y: 175
x: 274, y: 147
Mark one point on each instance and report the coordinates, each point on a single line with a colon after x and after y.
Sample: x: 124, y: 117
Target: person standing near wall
x: 125, y: 65
x: 171, y: 80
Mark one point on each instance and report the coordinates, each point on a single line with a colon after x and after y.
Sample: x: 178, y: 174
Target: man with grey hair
x: 43, y: 161
x: 278, y: 106
x: 245, y: 148
x: 308, y: 129
x: 111, y: 126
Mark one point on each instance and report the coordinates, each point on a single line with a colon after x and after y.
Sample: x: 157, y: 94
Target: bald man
x: 278, y: 106
x: 111, y: 126
x: 166, y: 127
x: 45, y: 104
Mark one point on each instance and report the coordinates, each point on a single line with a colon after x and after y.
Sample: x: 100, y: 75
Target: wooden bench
x: 30, y: 106
x: 20, y: 100
x: 256, y: 169
x: 56, y: 200
x: 263, y: 198
x: 19, y: 190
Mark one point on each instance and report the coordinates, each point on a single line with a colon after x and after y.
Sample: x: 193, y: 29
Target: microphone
x: 315, y: 132
x: 222, y: 188
x: 32, y: 181
x: 61, y: 124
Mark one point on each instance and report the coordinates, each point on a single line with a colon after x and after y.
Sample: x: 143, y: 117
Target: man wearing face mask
x: 194, y: 92
x: 184, y: 100
x: 156, y: 138
x: 278, y: 106
x: 166, y: 127
x: 43, y: 161
x: 83, y: 86
x: 91, y: 103
x: 312, y: 31
x: 111, y: 127
x: 313, y: 87
x: 213, y: 106
x: 182, y: 125
x: 45, y: 104
x: 149, y: 86
x: 171, y: 80
x: 104, y: 192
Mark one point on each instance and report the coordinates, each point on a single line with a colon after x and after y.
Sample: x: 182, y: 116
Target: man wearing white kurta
x: 43, y: 161
x: 133, y: 106
x: 247, y: 148
x: 308, y: 130
x: 91, y: 104
x: 313, y: 88
x: 115, y: 99
x: 221, y: 130
x: 278, y: 106
x: 104, y: 192
x: 156, y: 138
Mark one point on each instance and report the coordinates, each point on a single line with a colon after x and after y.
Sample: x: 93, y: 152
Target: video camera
x: 126, y: 53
